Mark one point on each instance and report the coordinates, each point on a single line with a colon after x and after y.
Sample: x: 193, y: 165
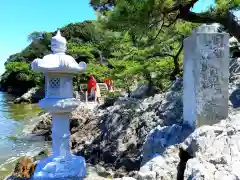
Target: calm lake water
x: 15, y: 121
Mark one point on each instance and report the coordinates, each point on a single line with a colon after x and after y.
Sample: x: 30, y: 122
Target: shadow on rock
x: 235, y: 98
x: 162, y: 156
x: 160, y: 138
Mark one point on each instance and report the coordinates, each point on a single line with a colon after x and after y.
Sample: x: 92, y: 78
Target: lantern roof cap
x: 58, y: 43
x: 58, y: 61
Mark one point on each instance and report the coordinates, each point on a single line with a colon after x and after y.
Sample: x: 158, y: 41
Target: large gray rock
x: 124, y: 127
x: 209, y: 153
x: 142, y: 91
x: 43, y: 126
x: 215, y: 151
x: 161, y: 159
x: 151, y: 131
x: 234, y: 64
x: 234, y: 67
x: 162, y: 166
x: 160, y: 138
x: 115, y: 135
x: 171, y: 108
x: 148, y: 131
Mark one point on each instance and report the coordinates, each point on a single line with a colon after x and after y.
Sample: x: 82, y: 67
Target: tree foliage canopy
x: 132, y: 41
x: 142, y: 15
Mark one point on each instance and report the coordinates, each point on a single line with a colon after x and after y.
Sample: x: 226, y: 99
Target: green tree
x: 18, y: 74
x: 157, y: 27
x: 126, y: 57
x: 142, y: 15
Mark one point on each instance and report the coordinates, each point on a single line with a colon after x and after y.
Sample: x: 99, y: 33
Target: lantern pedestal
x: 68, y: 167
x: 62, y: 164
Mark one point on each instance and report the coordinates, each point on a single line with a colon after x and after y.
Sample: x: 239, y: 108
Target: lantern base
x: 61, y: 168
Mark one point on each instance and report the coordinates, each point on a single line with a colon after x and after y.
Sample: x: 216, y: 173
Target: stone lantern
x: 59, y: 69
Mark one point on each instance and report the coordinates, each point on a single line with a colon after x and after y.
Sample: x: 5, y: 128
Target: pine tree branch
x: 229, y: 21
x: 179, y: 6
x: 198, y: 17
x: 179, y: 51
x: 176, y: 69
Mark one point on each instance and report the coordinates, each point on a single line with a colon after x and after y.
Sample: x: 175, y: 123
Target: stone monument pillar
x: 59, y: 69
x: 206, y: 73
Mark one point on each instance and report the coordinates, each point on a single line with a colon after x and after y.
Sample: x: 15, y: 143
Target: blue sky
x: 21, y: 17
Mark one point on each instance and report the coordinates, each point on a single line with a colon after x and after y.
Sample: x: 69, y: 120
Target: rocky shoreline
x: 144, y: 139
x: 111, y: 136
x: 31, y: 96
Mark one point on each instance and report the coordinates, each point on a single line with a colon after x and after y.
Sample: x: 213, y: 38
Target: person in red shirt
x: 91, y: 93
x: 109, y: 83
x: 92, y: 83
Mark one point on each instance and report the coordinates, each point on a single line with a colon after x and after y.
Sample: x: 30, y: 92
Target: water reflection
x: 13, y: 118
x: 17, y: 112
